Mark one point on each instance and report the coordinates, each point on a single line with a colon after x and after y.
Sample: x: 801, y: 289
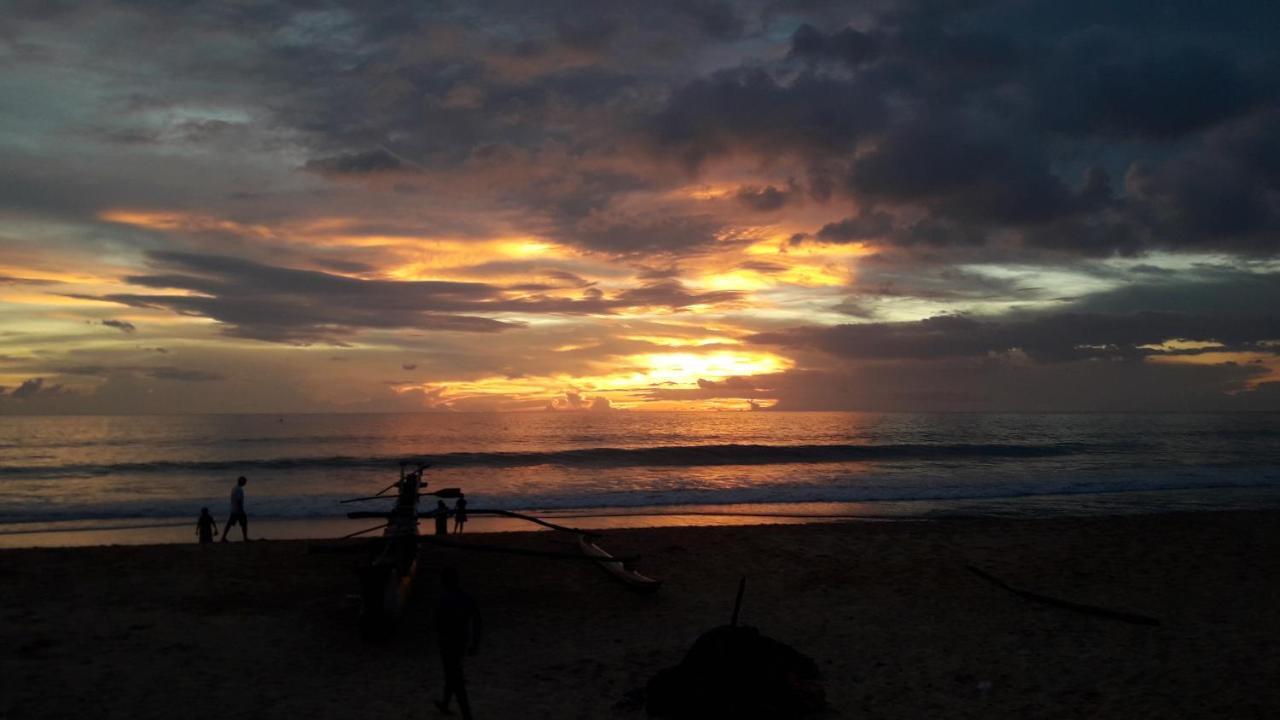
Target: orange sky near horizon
x: 578, y: 207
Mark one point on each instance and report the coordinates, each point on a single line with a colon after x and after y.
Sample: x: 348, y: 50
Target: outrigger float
x: 386, y: 580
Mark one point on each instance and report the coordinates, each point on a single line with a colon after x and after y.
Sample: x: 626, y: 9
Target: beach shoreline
x: 897, y: 623
x: 181, y: 531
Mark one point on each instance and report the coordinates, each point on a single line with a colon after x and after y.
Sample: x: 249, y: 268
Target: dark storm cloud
x: 343, y: 266
x: 979, y: 117
x: 750, y: 109
x: 1202, y: 290
x: 1220, y: 195
x: 948, y: 135
x: 1047, y: 338
x: 762, y: 387
x: 848, y: 46
x: 986, y: 385
x: 962, y: 174
x: 287, y: 305
x: 866, y: 225
x: 123, y: 326
x: 266, y: 302
x: 672, y: 294
x: 767, y: 198
x: 357, y: 163
x: 33, y: 388
x: 636, y: 235
x: 764, y: 267
x: 965, y: 385
x: 895, y: 277
x: 973, y: 120
x: 1089, y: 91
x: 11, y: 280
x: 462, y: 90
x: 155, y: 372
x: 182, y: 374
x: 1087, y: 356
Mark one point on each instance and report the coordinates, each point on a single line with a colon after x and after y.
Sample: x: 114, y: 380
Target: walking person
x: 237, y: 511
x: 458, y: 632
x: 205, y: 527
x: 459, y: 514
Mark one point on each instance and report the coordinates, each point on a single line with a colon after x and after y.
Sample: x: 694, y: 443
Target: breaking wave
x: 680, y: 455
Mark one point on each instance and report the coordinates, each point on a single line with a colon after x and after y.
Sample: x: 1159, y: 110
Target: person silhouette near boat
x: 459, y: 514
x: 237, y: 511
x: 206, y: 526
x: 442, y: 518
x: 458, y: 633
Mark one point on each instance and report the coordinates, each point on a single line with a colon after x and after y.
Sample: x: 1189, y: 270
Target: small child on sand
x: 206, y: 527
x: 459, y: 514
x: 442, y: 518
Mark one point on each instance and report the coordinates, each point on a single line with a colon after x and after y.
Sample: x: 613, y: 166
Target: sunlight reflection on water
x: 61, y: 469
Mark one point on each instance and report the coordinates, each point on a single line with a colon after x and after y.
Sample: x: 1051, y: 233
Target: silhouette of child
x: 459, y: 514
x: 205, y: 527
x: 442, y: 518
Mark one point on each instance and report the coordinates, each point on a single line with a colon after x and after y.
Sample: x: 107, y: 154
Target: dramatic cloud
x: 157, y: 372
x: 33, y: 388
x: 123, y: 326
x: 767, y: 198
x: 896, y: 205
x: 265, y: 302
x: 1049, y: 338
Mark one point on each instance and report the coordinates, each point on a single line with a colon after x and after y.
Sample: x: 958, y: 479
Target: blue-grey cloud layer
x: 1039, y: 135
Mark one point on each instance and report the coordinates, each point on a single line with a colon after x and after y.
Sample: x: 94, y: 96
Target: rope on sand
x: 509, y: 550
x: 1122, y: 615
x: 700, y: 513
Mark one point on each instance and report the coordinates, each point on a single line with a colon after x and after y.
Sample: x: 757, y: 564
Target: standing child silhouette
x: 205, y: 527
x: 459, y: 514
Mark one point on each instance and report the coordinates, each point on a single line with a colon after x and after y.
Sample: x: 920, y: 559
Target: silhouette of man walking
x: 237, y: 511
x: 458, y: 632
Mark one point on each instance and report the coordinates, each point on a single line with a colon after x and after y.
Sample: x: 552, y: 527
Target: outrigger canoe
x: 387, y: 579
x: 617, y: 568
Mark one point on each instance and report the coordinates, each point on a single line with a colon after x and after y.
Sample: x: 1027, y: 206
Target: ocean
x: 59, y: 473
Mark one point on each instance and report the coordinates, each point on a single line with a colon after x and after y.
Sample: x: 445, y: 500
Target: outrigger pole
x: 393, y: 558
x: 620, y: 568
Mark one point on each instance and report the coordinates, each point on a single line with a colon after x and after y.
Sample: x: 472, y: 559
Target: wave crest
x: 678, y: 455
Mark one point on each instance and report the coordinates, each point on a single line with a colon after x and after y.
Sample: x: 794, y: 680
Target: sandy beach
x: 892, y: 615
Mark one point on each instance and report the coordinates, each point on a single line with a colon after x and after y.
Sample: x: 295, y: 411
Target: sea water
x: 64, y: 471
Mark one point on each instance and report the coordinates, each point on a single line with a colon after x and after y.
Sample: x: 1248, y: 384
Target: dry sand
x: 898, y: 625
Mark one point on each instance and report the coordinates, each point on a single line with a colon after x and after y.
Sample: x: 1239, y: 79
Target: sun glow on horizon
x: 687, y: 368
x: 633, y: 385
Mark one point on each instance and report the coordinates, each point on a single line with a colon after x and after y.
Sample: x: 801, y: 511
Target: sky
x: 899, y: 205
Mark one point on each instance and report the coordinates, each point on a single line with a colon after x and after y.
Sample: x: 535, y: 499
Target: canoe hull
x: 632, y: 579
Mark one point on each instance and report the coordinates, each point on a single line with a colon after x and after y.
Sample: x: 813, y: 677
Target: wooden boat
x: 617, y: 568
x: 386, y: 580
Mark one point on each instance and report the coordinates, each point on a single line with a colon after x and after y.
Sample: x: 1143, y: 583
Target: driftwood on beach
x: 1121, y: 615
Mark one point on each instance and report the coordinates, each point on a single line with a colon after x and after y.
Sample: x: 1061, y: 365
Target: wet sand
x: 897, y: 623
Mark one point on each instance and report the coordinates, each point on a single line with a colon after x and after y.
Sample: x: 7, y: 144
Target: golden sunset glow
x: 626, y: 388
x: 717, y: 208
x: 685, y: 341
x: 1267, y: 364
x: 187, y: 222
x: 688, y: 368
